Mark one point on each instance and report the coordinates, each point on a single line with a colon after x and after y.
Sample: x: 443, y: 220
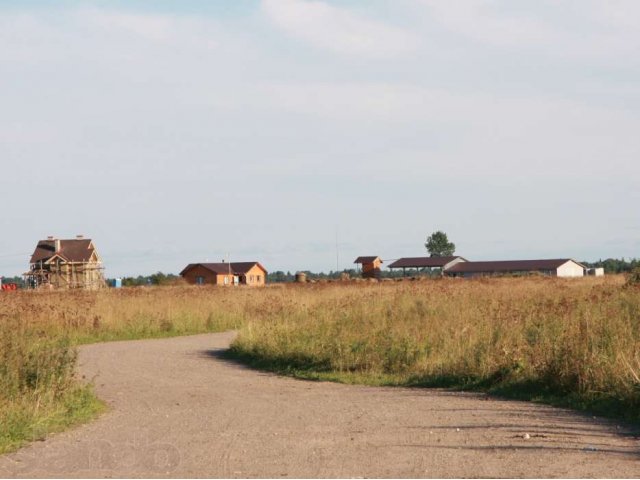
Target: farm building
x: 225, y: 273
x: 419, y: 263
x: 564, y: 267
x: 370, y: 266
x: 65, y: 263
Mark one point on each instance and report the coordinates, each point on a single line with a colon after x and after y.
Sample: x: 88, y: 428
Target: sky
x: 304, y: 133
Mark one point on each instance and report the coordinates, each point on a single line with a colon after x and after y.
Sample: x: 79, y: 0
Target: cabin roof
x: 369, y: 259
x: 236, y: 268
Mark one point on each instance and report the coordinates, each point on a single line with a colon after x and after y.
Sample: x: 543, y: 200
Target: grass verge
x: 570, y: 344
x: 28, y: 419
x: 605, y: 405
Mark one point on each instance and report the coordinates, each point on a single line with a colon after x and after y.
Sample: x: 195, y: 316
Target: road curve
x: 178, y: 410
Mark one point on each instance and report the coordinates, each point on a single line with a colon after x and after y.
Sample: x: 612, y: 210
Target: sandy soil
x: 177, y: 409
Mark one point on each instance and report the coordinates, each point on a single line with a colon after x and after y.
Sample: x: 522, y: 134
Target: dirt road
x: 177, y: 409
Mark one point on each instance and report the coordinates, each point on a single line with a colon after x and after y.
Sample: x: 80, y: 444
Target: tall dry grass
x: 575, y: 342
x: 38, y: 393
x: 39, y: 331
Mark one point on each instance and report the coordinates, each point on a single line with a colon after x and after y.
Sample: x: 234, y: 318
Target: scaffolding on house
x: 72, y: 275
x: 55, y: 271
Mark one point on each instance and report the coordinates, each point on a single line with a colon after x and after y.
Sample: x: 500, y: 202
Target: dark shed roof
x: 366, y: 259
x: 508, y: 266
x: 237, y: 268
x: 74, y: 250
x: 422, y: 262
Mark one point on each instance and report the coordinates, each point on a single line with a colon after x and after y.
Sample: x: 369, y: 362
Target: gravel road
x: 177, y: 409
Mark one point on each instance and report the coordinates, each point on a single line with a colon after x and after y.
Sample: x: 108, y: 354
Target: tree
x: 438, y: 245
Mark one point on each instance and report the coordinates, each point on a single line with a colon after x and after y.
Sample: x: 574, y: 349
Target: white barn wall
x: 453, y: 262
x: 570, y: 269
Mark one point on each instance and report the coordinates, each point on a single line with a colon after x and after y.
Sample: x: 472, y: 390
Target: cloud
x: 338, y: 29
x: 162, y: 116
x: 588, y: 29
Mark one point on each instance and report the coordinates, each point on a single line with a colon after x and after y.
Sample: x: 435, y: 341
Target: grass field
x: 570, y: 342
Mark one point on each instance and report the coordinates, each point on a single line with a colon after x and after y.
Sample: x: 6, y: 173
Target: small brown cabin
x: 370, y: 266
x: 252, y: 274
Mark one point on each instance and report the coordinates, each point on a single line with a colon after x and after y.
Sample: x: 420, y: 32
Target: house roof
x: 237, y: 268
x: 367, y: 259
x: 422, y: 262
x: 73, y: 250
x: 509, y: 266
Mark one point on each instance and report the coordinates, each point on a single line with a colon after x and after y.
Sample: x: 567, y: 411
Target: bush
x: 634, y: 278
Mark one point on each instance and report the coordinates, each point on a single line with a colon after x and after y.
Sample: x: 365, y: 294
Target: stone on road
x: 179, y: 410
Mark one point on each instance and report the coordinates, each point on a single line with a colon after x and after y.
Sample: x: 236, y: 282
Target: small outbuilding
x: 596, y: 272
x: 370, y: 266
x: 225, y: 273
x: 562, y: 267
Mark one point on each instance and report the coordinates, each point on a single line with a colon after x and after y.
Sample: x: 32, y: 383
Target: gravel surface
x: 177, y: 409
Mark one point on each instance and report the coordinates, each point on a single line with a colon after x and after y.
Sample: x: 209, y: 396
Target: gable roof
x: 73, y: 250
x: 509, y: 266
x: 221, y: 268
x: 367, y: 259
x: 422, y: 262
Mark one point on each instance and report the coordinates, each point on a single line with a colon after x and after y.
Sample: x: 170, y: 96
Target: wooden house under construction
x: 65, y: 264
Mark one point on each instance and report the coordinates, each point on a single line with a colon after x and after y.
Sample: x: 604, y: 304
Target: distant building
x: 370, y: 266
x: 564, y: 267
x: 65, y: 264
x: 232, y: 273
x: 595, y: 272
x: 418, y: 263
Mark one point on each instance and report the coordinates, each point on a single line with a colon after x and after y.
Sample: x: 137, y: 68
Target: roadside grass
x: 572, y: 343
x: 38, y: 392
x: 39, y: 332
x: 30, y: 419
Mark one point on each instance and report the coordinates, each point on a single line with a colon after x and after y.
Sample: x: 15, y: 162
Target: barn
x: 252, y: 274
x: 562, y: 267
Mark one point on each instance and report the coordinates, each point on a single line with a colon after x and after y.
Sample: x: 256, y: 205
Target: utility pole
x: 337, y: 253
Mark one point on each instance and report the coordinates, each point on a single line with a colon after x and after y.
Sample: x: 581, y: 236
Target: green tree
x: 438, y: 245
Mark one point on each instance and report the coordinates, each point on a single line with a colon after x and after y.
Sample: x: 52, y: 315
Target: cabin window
x: 226, y: 280
x: 199, y: 280
x: 258, y: 278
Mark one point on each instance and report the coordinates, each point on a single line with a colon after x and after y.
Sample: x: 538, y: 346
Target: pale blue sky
x: 175, y: 132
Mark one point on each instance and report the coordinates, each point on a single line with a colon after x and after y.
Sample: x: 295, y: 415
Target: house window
x: 258, y: 278
x: 199, y: 280
x: 226, y: 280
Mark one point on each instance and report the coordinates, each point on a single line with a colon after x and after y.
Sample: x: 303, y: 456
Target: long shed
x: 561, y: 267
